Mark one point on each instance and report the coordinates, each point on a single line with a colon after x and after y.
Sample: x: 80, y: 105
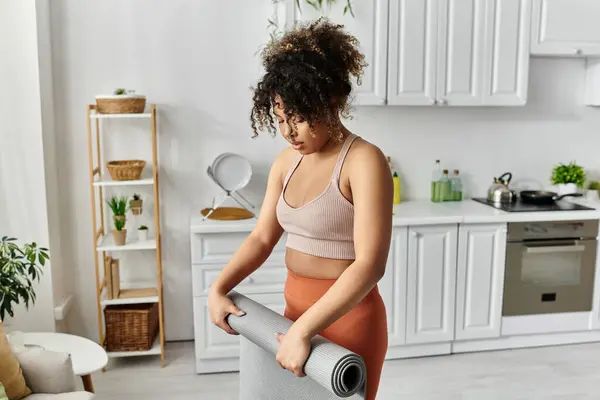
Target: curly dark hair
x: 310, y: 69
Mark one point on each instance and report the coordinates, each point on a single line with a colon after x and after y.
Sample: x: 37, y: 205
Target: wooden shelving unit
x: 100, y: 184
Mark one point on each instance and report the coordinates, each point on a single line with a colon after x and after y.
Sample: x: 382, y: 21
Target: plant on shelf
x: 568, y: 177
x: 118, y: 205
x: 143, y: 233
x: 120, y: 233
x: 20, y: 266
x: 136, y: 204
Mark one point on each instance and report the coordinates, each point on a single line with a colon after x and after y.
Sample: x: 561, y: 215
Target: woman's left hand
x: 293, y: 351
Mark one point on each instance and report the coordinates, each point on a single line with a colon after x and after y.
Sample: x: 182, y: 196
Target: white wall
x: 196, y: 60
x: 28, y: 184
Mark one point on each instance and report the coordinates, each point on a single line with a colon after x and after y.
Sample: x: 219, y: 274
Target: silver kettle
x: 499, y: 191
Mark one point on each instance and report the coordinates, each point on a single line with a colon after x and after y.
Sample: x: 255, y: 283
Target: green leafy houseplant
x: 570, y: 173
x: 120, y: 233
x: 20, y: 266
x: 118, y: 205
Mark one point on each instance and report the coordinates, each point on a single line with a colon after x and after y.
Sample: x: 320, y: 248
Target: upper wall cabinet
x: 436, y: 52
x: 370, y: 25
x: 566, y: 28
x: 458, y: 52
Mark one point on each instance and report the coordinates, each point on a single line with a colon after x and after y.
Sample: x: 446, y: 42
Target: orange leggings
x: 362, y: 330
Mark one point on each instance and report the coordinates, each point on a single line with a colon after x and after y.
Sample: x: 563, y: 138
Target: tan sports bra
x: 323, y: 227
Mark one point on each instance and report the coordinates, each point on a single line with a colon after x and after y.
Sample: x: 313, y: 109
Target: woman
x: 331, y: 191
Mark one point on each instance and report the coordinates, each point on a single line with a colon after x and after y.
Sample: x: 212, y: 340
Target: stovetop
x: 520, y: 206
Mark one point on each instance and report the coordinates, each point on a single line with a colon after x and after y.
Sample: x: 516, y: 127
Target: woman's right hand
x: 219, y: 307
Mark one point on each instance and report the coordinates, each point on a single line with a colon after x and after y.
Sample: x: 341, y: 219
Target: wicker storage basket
x: 131, y: 327
x: 126, y: 170
x: 121, y: 104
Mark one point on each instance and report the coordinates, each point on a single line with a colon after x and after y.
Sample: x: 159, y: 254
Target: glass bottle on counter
x: 444, y: 187
x: 456, y: 189
x: 435, y: 178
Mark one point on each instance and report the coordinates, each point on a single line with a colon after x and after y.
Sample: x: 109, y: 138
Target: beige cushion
x: 47, y: 371
x: 11, y: 375
x: 64, y: 396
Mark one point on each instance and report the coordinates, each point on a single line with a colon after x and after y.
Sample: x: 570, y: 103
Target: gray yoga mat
x: 332, y: 372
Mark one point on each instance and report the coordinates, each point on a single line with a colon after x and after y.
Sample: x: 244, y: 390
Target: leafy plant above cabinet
x: 319, y: 5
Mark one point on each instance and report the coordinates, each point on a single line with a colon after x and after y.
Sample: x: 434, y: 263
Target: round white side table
x: 86, y: 355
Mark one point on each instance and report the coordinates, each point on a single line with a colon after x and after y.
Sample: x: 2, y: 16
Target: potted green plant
x: 20, y: 266
x: 143, y: 233
x: 593, y: 192
x: 136, y: 204
x: 118, y: 205
x: 120, y: 233
x: 568, y: 177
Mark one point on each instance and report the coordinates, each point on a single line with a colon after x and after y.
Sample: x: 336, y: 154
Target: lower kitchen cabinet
x: 431, y: 283
x: 216, y: 350
x: 480, y: 276
x: 393, y: 287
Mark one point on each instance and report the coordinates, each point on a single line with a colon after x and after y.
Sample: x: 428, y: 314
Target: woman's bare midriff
x: 315, y: 267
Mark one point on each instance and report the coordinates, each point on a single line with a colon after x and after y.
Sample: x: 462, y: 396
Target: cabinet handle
x: 444, y: 102
x: 433, y: 102
x: 578, y: 51
x: 415, y: 234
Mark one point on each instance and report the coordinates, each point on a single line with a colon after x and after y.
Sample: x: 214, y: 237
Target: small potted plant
x: 143, y: 233
x: 593, y: 190
x: 120, y: 233
x: 20, y: 266
x: 569, y: 177
x: 118, y: 205
x: 136, y: 204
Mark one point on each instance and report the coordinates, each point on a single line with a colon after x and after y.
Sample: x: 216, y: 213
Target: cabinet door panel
x: 393, y: 287
x: 480, y: 276
x: 370, y: 26
x: 212, y: 342
x: 506, y: 70
x: 461, y: 55
x: 565, y: 27
x: 431, y: 283
x: 412, y: 52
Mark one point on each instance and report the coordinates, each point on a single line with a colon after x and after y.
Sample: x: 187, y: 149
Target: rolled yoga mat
x: 332, y: 372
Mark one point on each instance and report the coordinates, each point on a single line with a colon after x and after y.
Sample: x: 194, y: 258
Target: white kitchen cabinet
x: 506, y: 65
x: 412, y: 52
x: 370, y: 25
x: 565, y: 28
x: 216, y: 350
x: 458, y: 52
x: 393, y: 287
x: 479, y: 280
x: 431, y: 283
x: 461, y: 56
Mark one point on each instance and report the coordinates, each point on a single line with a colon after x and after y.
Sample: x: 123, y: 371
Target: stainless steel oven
x: 550, y: 267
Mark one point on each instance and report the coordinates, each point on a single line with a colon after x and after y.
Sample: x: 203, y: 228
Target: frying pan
x: 543, y: 197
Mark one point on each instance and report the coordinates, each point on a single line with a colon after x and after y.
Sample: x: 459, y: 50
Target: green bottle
x: 435, y: 178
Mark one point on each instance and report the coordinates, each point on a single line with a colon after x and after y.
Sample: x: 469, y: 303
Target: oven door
x: 550, y: 276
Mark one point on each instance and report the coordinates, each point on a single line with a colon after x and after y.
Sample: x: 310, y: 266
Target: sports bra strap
x: 342, y: 156
x: 291, y: 171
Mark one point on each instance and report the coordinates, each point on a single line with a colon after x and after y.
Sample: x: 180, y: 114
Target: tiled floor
x: 563, y: 372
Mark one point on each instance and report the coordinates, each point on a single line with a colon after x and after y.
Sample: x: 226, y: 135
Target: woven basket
x: 120, y: 104
x: 131, y: 327
x: 126, y: 170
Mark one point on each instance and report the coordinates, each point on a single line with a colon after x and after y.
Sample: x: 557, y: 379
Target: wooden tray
x: 228, y: 213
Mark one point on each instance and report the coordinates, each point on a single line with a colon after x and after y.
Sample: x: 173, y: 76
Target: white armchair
x: 49, y: 375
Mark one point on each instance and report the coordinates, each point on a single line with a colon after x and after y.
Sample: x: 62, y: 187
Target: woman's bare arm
x: 257, y: 247
x: 372, y: 189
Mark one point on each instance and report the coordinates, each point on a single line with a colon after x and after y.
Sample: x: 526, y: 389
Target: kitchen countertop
x: 424, y: 212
